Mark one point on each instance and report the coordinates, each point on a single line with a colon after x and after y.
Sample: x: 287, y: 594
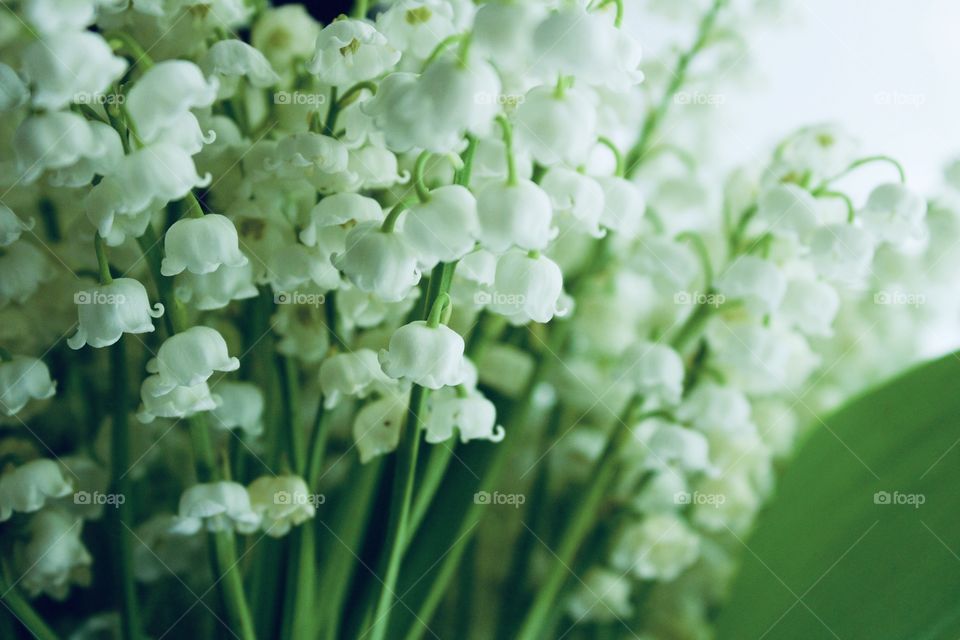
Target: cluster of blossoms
x: 443, y: 221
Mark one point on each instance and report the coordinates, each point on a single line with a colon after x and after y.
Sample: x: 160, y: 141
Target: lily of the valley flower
x: 894, y: 214
x: 27, y: 488
x: 11, y: 226
x: 108, y: 311
x: 282, y: 502
x: 23, y: 378
x: 473, y: 416
x: 54, y: 557
x: 160, y: 401
x: 351, y: 51
x: 755, y: 281
x: 241, y: 407
x: 527, y: 288
x: 514, y: 215
x: 353, y: 374
x: 68, y: 67
x: 201, y: 245
x: 379, y: 262
x: 656, y: 371
x: 216, y: 506
x: 430, y: 356
x: 164, y: 93
x: 556, y: 128
x: 444, y: 228
x: 189, y: 358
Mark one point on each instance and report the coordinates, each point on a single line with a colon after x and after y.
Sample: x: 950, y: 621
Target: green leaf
x: 832, y: 557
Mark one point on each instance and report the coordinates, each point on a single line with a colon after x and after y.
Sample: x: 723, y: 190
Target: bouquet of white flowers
x: 432, y: 321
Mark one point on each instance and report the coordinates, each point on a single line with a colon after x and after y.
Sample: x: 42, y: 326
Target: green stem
x: 391, y: 220
x: 122, y: 485
x: 333, y: 112
x: 439, y: 49
x: 637, y: 154
x: 223, y: 543
x: 865, y: 161
x: 440, y: 456
x: 851, y: 210
x: 701, y: 248
x: 287, y: 374
x: 23, y: 612
x: 508, y: 147
x: 617, y: 156
x: 359, y: 9
x: 580, y: 524
x: 418, y: 170
x: 102, y: 262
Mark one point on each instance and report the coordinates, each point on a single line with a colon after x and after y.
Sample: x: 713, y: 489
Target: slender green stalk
x: 580, y: 524
x: 637, y: 154
x: 122, y: 484
x: 102, y: 263
x: 359, y: 9
x: 25, y: 614
x: 440, y: 456
x: 223, y: 543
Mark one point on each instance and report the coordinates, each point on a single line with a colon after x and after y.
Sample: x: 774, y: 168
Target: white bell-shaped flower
x: 303, y: 153
x: 527, y: 289
x: 52, y: 141
x: 230, y: 60
x: 104, y: 156
x: 340, y: 209
x: 810, y: 306
x: 186, y: 133
x: 54, y: 557
x: 658, y: 548
x: 736, y: 512
x: 514, y: 215
x: 820, y: 151
x: 656, y: 371
x: 282, y: 502
x: 755, y: 281
x: 416, y: 27
x: 160, y: 401
x: 501, y: 32
x: 842, y: 253
x: 284, y: 34
x: 241, y: 407
x: 165, y: 92
x: 665, y: 446
x: 24, y: 268
x: 13, y: 91
x: 350, y: 51
x: 672, y: 267
x: 22, y: 379
x: 11, y: 226
x: 376, y: 427
x: 108, y: 311
x: 761, y: 359
x: 431, y: 357
x: 216, y: 506
x: 713, y: 407
x: 379, y: 262
x: 27, y: 488
x: 189, y: 358
x: 580, y: 198
x: 433, y: 111
x: 787, y: 210
x: 69, y: 67
x: 604, y: 596
x: 217, y: 289
x: 895, y: 214
x: 201, y: 245
x: 148, y: 178
x: 473, y: 416
x: 623, y: 206
x: 575, y: 41
x: 54, y: 16
x: 444, y: 228
x: 556, y: 128
x: 353, y: 374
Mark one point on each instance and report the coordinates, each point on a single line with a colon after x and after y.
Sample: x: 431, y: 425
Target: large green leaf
x: 831, y: 557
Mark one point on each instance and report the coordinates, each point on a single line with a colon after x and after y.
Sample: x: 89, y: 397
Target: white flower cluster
x: 446, y: 201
